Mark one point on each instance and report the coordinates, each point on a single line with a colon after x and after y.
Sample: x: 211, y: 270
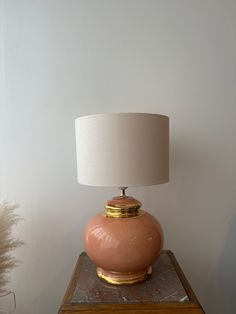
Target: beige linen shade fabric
x: 122, y: 149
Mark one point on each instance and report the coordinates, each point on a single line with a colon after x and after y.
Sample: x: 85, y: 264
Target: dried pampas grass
x: 7, y: 243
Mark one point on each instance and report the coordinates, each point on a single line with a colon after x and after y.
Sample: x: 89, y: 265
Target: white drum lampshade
x: 122, y: 149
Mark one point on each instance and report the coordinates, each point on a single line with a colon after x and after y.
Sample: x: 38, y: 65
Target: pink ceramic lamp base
x: 124, y: 247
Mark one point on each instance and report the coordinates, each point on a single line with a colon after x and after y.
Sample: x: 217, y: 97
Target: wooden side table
x: 166, y: 291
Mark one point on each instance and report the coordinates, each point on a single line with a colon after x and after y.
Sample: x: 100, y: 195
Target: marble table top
x: 163, y: 286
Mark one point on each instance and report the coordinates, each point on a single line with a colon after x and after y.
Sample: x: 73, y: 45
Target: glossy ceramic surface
x: 124, y: 244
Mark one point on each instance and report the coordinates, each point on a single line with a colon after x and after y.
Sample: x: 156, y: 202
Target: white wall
x: 63, y: 59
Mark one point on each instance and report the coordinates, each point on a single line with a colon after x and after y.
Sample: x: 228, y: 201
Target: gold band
x: 119, y: 278
x: 121, y: 213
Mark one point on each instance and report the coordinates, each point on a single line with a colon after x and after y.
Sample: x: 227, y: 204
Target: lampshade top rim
x: 100, y: 115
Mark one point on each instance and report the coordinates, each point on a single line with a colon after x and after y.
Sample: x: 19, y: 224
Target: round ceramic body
x: 123, y: 248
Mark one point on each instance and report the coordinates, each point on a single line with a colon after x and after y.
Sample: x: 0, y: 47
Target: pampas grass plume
x: 7, y: 243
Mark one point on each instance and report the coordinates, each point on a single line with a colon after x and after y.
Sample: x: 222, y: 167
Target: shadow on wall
x: 201, y: 176
x: 226, y: 275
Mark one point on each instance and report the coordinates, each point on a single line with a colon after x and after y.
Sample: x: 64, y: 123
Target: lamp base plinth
x: 118, y: 278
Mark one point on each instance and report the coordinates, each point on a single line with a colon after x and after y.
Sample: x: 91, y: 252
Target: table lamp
x: 122, y: 150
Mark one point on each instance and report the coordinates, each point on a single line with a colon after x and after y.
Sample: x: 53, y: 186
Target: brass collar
x: 122, y: 207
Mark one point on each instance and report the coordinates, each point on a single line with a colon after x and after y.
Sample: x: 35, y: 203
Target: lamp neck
x: 122, y: 206
x: 122, y: 191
